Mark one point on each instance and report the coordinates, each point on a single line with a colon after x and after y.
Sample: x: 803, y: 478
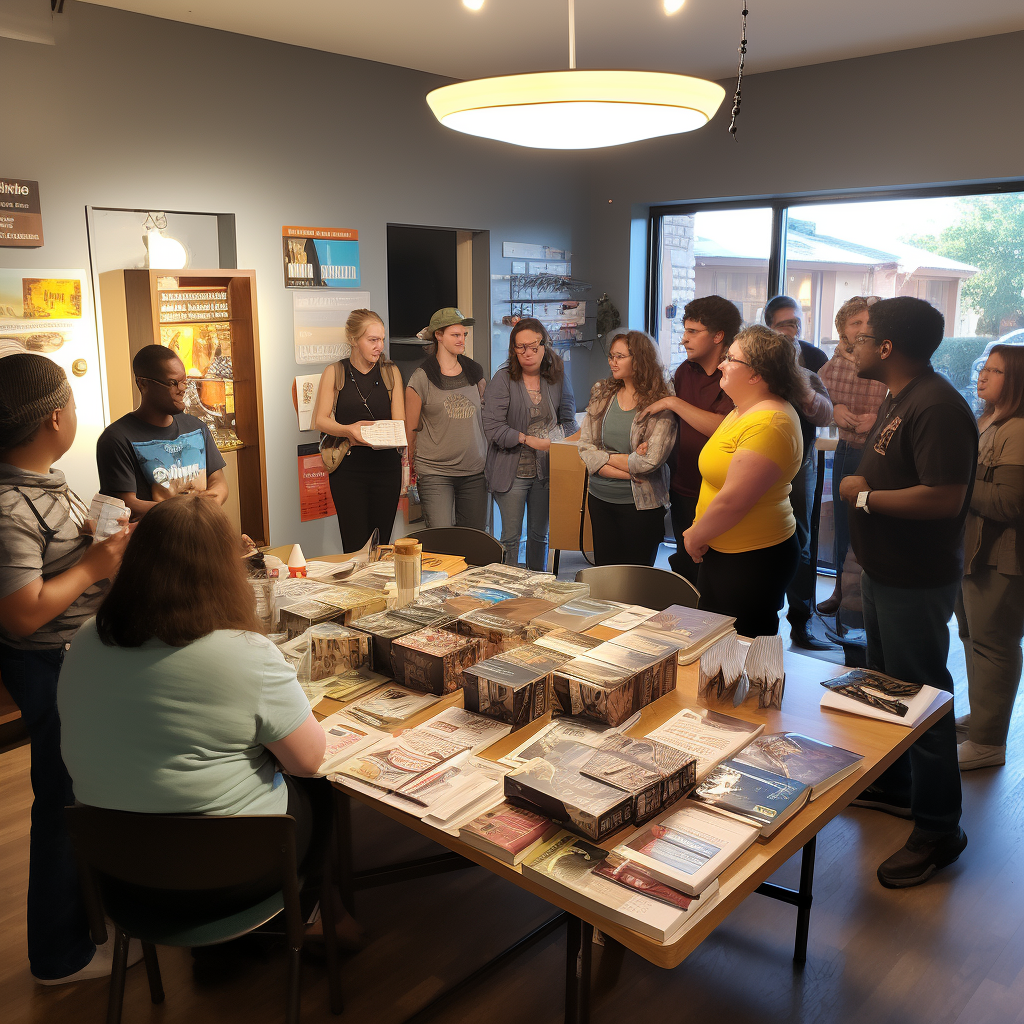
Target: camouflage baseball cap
x: 447, y: 317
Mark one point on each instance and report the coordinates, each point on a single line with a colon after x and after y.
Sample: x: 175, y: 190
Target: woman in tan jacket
x: 990, y: 611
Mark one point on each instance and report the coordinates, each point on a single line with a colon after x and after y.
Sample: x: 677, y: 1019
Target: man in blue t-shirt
x: 159, y: 451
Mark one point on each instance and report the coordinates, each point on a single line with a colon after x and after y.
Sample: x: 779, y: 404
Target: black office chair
x: 125, y: 856
x: 639, y: 584
x: 475, y: 546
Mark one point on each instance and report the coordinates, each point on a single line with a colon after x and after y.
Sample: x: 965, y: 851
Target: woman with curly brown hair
x: 626, y: 455
x: 744, y: 533
x: 527, y: 401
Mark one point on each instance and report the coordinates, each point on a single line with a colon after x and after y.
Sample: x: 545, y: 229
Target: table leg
x: 579, y: 944
x: 343, y: 826
x: 803, y: 913
x: 554, y: 560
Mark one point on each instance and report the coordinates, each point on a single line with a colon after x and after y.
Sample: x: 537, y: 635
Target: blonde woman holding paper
x: 353, y: 394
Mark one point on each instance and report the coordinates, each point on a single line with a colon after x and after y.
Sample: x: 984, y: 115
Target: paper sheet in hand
x: 385, y: 434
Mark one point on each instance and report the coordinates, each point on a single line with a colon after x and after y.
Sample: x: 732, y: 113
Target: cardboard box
x: 384, y: 628
x: 332, y: 604
x: 506, y: 690
x: 555, y: 787
x: 335, y: 648
x: 611, y: 683
x: 433, y: 660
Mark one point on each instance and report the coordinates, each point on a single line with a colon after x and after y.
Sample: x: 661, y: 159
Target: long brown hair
x: 773, y: 356
x: 181, y: 578
x: 1012, y: 402
x: 648, y: 376
x: 551, y: 367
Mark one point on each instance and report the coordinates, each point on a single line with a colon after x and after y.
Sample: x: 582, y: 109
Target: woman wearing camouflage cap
x: 447, y: 447
x: 52, y: 579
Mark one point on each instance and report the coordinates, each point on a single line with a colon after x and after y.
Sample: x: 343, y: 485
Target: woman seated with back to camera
x: 626, y: 454
x: 172, y: 700
x: 744, y: 532
x: 526, y: 401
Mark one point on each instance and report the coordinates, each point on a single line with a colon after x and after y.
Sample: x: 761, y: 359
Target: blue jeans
x: 525, y: 495
x: 844, y: 464
x: 59, y: 943
x: 453, y: 500
x: 800, y: 591
x: 908, y: 637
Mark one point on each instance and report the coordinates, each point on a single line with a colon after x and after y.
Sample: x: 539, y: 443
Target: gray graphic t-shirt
x: 451, y: 439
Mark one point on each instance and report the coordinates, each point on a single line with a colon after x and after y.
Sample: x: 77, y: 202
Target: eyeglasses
x: 171, y: 385
x: 524, y: 349
x: 617, y: 357
x: 989, y: 369
x: 733, y: 359
x: 861, y: 338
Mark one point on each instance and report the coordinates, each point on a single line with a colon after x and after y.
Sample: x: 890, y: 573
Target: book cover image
x: 676, y: 850
x: 797, y: 757
x: 760, y: 795
x: 45, y: 298
x: 687, y: 625
x: 321, y: 257
x: 173, y: 467
x: 390, y: 704
x: 567, y: 858
x: 631, y: 877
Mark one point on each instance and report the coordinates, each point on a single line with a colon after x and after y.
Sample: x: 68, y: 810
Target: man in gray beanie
x: 52, y: 578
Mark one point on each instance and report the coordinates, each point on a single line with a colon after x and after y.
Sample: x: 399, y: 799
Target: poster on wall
x: 21, y: 217
x: 319, y: 318
x: 315, y: 501
x: 48, y: 312
x: 320, y: 257
x: 304, y: 390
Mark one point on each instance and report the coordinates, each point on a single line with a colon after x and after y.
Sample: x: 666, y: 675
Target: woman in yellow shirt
x: 743, y: 534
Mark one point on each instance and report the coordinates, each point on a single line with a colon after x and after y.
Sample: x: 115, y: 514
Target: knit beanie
x: 31, y: 387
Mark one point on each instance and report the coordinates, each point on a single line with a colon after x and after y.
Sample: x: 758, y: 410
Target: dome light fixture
x: 576, y: 109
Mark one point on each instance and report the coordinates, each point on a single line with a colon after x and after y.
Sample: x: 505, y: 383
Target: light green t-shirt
x: 178, y: 730
x: 615, y: 433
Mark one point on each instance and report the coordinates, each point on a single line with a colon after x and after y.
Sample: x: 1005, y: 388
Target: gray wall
x: 945, y: 113
x: 131, y: 111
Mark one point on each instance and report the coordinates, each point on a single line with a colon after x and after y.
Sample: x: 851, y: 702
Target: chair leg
x: 294, y: 986
x: 156, y: 986
x: 117, y: 972
x: 328, y: 921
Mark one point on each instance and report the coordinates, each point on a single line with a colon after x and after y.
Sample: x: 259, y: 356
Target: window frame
x: 780, y: 206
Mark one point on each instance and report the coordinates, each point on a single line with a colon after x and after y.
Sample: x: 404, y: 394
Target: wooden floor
x: 948, y: 952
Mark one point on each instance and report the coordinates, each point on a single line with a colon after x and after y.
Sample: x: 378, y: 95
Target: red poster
x: 315, y: 500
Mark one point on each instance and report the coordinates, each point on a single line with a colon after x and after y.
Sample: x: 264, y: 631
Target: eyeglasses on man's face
x: 171, y: 385
x: 860, y: 339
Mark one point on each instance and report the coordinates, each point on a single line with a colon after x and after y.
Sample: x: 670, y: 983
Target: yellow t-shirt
x: 774, y: 434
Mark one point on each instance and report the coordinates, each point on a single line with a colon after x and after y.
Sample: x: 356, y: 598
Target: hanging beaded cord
x: 739, y: 73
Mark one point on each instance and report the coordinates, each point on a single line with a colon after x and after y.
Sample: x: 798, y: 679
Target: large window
x: 961, y: 253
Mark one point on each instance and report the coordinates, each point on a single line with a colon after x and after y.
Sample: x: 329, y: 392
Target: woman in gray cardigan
x: 990, y: 611
x: 527, y: 402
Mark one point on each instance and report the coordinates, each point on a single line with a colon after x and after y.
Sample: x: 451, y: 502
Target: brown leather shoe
x: 831, y: 604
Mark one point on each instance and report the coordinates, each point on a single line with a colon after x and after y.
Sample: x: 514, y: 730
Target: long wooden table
x: 880, y: 743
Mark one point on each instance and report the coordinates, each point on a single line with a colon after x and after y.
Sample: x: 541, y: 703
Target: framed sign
x: 319, y: 319
x: 320, y: 257
x: 21, y: 218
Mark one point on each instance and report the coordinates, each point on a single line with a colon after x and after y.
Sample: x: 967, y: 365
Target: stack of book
x: 332, y: 603
x: 384, y: 628
x: 693, y: 631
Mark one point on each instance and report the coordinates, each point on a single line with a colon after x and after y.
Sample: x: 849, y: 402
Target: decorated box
x: 433, y: 660
x: 507, y: 690
x: 334, y: 648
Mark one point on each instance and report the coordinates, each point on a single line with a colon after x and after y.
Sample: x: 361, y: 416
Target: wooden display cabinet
x: 132, y: 319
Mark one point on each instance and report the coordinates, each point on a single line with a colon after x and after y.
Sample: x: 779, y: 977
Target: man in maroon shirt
x: 709, y: 326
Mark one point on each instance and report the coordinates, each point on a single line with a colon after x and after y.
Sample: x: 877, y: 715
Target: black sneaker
x: 876, y: 799
x: 923, y: 855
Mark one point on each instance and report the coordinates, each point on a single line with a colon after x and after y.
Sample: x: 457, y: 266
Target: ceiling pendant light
x: 576, y: 109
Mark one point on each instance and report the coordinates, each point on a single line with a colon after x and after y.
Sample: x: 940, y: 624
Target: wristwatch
x: 862, y: 501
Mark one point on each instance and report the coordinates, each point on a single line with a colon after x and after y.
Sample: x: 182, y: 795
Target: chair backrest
x: 475, y: 546
x: 183, y: 852
x: 639, y: 584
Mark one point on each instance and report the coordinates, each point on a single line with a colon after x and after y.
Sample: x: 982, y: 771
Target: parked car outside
x: 1013, y: 338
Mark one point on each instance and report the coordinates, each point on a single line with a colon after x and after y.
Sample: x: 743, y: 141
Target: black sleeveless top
x: 350, y: 409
